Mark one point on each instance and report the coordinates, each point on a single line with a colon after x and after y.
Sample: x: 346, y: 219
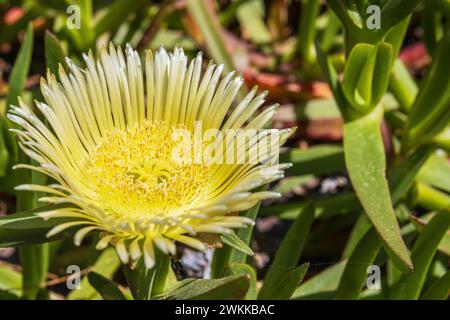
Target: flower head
x: 111, y: 148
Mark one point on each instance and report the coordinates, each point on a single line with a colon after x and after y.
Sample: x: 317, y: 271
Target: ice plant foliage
x: 109, y: 147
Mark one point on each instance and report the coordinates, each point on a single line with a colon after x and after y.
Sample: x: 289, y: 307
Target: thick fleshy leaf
x: 322, y: 285
x: 292, y: 280
x: 321, y: 159
x: 420, y: 223
x: 310, y: 9
x: 209, y: 24
x: 395, y: 11
x: 229, y: 255
x: 366, y: 75
x: 430, y: 198
x: 251, y: 17
x: 106, y: 265
x: 10, y: 282
x: 151, y: 282
x: 27, y: 228
x: 19, y: 72
x: 402, y: 85
x: 245, y: 269
x: 355, y: 273
x: 430, y: 113
x: 54, y: 53
x: 109, y: 290
x: 366, y: 164
x: 439, y: 290
x: 288, y: 253
x: 436, y: 172
x: 342, y: 203
x: 402, y: 176
x: 331, y: 76
x: 409, y: 286
x: 16, y: 82
x: 235, y: 242
x: 116, y: 14
x: 360, y: 228
x: 229, y: 288
x: 355, y: 88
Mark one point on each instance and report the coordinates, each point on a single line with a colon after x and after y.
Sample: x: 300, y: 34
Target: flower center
x: 133, y: 175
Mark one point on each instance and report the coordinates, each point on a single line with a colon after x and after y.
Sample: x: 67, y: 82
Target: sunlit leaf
x: 366, y: 164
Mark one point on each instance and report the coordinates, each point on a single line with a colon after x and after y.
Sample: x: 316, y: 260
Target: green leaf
x: 366, y: 75
x: 438, y: 290
x: 436, y: 172
x: 431, y: 24
x: 235, y: 242
x: 310, y: 9
x: 355, y: 273
x: 209, y: 24
x: 401, y: 177
x: 54, y: 53
x: 360, y: 58
x: 287, y: 286
x: 394, y: 11
x: 289, y: 252
x: 331, y: 30
x: 228, y: 255
x: 16, y: 82
x: 19, y: 72
x: 229, y: 288
x: 403, y: 86
x: 10, y: 281
x: 318, y: 160
x: 116, y: 14
x: 289, y: 183
x: 430, y: 198
x: 331, y: 76
x: 422, y: 221
x: 251, y: 17
x: 245, y: 269
x: 151, y: 282
x: 410, y: 285
x: 27, y: 228
x: 109, y: 290
x: 106, y: 265
x: 382, y: 72
x: 342, y: 203
x: 360, y: 228
x: 430, y: 113
x: 322, y: 285
x: 366, y: 164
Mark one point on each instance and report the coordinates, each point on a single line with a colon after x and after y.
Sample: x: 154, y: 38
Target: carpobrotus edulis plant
x: 109, y: 147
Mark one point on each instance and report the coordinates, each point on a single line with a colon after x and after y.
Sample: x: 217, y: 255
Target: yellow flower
x: 109, y: 147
